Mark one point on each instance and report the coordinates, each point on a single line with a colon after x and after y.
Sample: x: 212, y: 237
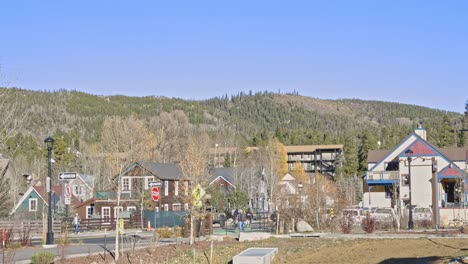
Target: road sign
x: 68, y: 192
x: 155, y: 193
x: 197, y: 194
x: 67, y: 200
x: 48, y: 185
x: 154, y: 184
x: 121, y: 226
x: 67, y: 176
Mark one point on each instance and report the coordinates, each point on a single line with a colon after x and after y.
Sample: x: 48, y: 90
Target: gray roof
x: 164, y: 171
x: 227, y: 173
x: 88, y: 179
x: 453, y: 154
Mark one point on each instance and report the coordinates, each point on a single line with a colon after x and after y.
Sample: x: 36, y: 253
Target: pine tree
x: 367, y: 143
x: 351, y: 157
x: 446, y: 133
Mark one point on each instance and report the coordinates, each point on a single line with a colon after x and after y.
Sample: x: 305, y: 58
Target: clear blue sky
x: 404, y: 51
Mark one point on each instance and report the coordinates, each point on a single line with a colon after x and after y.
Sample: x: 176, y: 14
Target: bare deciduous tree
x: 124, y: 140
x: 274, y: 160
x: 10, y: 123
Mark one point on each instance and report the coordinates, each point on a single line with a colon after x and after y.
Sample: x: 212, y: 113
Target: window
x: 392, y: 166
x: 186, y: 207
x: 89, y: 212
x: 405, y: 179
x: 176, y: 188
x: 117, y: 209
x: 166, y: 207
x: 78, y: 190
x: 131, y: 208
x: 125, y: 184
x: 33, y: 204
x: 156, y: 208
x: 176, y: 207
x: 166, y: 188
x: 106, y: 211
x: 185, y: 188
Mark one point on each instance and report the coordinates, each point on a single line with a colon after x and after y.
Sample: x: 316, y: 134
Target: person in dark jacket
x: 240, y: 218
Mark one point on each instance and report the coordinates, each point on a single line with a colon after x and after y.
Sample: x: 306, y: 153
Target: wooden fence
x: 37, y: 227
x: 34, y: 227
x: 97, y: 224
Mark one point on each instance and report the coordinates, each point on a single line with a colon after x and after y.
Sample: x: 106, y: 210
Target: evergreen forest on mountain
x: 91, y: 127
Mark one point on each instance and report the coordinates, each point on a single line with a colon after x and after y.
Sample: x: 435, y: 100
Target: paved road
x: 85, y: 244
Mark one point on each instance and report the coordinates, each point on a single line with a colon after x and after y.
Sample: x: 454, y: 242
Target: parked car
x: 422, y: 213
x: 406, y: 209
x: 384, y: 214
x: 357, y: 214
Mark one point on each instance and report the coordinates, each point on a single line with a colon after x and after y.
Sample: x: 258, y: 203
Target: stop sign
x: 155, y: 193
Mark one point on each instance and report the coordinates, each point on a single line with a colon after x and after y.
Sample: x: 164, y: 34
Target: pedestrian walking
x: 240, y: 218
x: 76, y: 223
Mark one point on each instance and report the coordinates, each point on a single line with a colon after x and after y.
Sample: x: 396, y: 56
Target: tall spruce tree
x: 367, y: 142
x: 351, y: 157
x: 446, y: 133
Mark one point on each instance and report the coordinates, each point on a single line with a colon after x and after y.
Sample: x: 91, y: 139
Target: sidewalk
x: 90, y: 234
x: 131, y: 238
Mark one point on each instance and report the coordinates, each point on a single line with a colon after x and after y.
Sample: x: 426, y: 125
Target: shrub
x: 178, y: 231
x: 426, y: 224
x: 42, y: 257
x: 346, y: 224
x: 25, y: 236
x: 14, y: 245
x: 164, y: 232
x: 368, y: 224
x: 9, y: 236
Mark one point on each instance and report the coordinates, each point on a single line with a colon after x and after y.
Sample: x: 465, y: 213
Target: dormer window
x: 125, y: 184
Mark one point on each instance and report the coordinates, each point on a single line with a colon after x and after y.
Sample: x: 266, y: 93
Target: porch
x: 382, y: 178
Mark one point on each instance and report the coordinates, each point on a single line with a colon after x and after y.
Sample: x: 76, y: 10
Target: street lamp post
x: 466, y: 171
x: 50, y: 234
x: 408, y: 154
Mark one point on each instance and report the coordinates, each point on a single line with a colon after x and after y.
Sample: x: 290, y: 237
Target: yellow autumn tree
x: 298, y: 172
x: 274, y: 166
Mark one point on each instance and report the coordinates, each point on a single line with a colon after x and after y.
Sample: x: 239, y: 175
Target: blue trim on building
x: 381, y: 182
x: 393, y: 150
x: 440, y: 177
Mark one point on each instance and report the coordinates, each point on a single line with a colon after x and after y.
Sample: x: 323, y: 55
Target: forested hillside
x: 293, y: 118
x: 79, y: 120
x: 100, y: 135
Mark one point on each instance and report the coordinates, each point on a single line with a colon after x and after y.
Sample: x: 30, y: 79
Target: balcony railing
x: 382, y: 175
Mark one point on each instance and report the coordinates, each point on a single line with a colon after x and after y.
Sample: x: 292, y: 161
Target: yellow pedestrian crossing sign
x: 121, y: 226
x: 197, y: 194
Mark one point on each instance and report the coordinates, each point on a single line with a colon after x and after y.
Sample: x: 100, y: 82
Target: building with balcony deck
x: 314, y: 158
x: 436, y: 178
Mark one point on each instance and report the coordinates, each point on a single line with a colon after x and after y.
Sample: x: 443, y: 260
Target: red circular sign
x: 155, y: 193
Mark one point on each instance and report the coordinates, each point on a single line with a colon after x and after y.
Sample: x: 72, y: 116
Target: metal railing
x: 382, y: 175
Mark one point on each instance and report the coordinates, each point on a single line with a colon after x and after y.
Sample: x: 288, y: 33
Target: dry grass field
x: 305, y: 250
